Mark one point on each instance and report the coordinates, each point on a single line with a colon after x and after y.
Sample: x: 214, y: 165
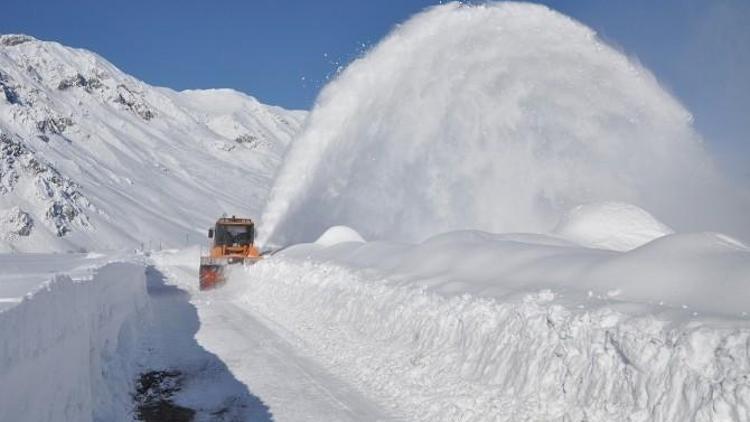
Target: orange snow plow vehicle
x: 233, y: 240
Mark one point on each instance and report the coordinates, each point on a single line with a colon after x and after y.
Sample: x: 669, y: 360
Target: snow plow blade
x: 211, y: 275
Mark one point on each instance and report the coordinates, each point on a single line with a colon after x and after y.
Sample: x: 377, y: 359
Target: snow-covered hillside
x: 92, y: 158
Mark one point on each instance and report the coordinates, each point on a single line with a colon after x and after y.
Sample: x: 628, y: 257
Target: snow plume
x: 497, y: 117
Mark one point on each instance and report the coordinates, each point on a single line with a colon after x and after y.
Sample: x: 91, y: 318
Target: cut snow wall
x: 464, y: 358
x: 65, y: 350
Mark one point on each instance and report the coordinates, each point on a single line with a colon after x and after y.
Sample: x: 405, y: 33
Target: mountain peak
x: 10, y: 40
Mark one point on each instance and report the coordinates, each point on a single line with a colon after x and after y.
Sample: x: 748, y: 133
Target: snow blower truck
x: 232, y: 243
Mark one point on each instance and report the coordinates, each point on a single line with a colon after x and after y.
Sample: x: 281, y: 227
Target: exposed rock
x: 134, y: 102
x: 16, y: 222
x: 10, y: 152
x: 10, y: 40
x: 11, y: 95
x: 89, y: 84
x: 34, y: 73
x: 54, y: 125
x: 59, y: 196
x: 251, y: 141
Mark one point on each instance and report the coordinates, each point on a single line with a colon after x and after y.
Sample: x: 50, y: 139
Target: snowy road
x: 275, y: 381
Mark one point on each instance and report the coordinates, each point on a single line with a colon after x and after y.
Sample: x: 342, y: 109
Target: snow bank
x: 610, y: 225
x: 473, y: 326
x: 498, y: 117
x: 67, y: 350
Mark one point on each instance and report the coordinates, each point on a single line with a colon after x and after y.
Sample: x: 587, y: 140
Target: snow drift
x: 67, y: 351
x: 497, y: 117
x: 471, y: 326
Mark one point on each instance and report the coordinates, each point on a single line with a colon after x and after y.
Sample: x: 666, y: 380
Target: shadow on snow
x: 190, y: 377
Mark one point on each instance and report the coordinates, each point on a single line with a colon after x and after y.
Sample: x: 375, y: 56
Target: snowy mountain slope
x: 93, y: 158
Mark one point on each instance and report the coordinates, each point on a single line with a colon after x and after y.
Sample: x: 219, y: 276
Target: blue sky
x: 282, y: 51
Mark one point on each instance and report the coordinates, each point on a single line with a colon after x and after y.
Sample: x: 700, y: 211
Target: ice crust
x: 499, y: 117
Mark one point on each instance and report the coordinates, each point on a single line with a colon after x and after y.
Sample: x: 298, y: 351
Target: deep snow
x: 472, y: 326
x: 68, y: 349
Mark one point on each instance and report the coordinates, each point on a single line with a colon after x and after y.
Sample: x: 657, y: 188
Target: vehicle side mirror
x: 210, y: 233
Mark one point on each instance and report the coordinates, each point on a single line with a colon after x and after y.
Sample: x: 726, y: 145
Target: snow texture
x: 610, y: 225
x: 67, y: 351
x: 471, y: 326
x: 97, y: 159
x: 499, y: 117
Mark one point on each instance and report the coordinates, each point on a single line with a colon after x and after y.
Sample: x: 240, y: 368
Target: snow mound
x: 611, y: 225
x: 498, y: 117
x: 339, y: 234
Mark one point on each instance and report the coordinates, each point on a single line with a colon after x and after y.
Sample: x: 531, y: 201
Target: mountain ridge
x: 91, y: 157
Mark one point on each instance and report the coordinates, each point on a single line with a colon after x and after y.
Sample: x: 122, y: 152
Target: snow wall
x: 498, y: 117
x: 67, y: 350
x: 473, y: 326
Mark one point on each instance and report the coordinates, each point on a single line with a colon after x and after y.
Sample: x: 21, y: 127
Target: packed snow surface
x: 498, y: 117
x: 610, y: 225
x: 473, y: 326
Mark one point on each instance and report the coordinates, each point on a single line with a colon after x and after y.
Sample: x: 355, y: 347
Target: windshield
x: 231, y: 234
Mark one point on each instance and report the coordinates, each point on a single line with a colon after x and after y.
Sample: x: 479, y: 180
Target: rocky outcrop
x: 15, y: 222
x: 11, y: 95
x: 134, y: 102
x: 89, y: 84
x: 60, y: 199
x: 11, y: 40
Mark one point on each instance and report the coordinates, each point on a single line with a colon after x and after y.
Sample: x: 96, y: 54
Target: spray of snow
x: 497, y: 117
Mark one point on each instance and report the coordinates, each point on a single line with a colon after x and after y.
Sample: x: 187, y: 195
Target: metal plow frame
x: 211, y: 271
